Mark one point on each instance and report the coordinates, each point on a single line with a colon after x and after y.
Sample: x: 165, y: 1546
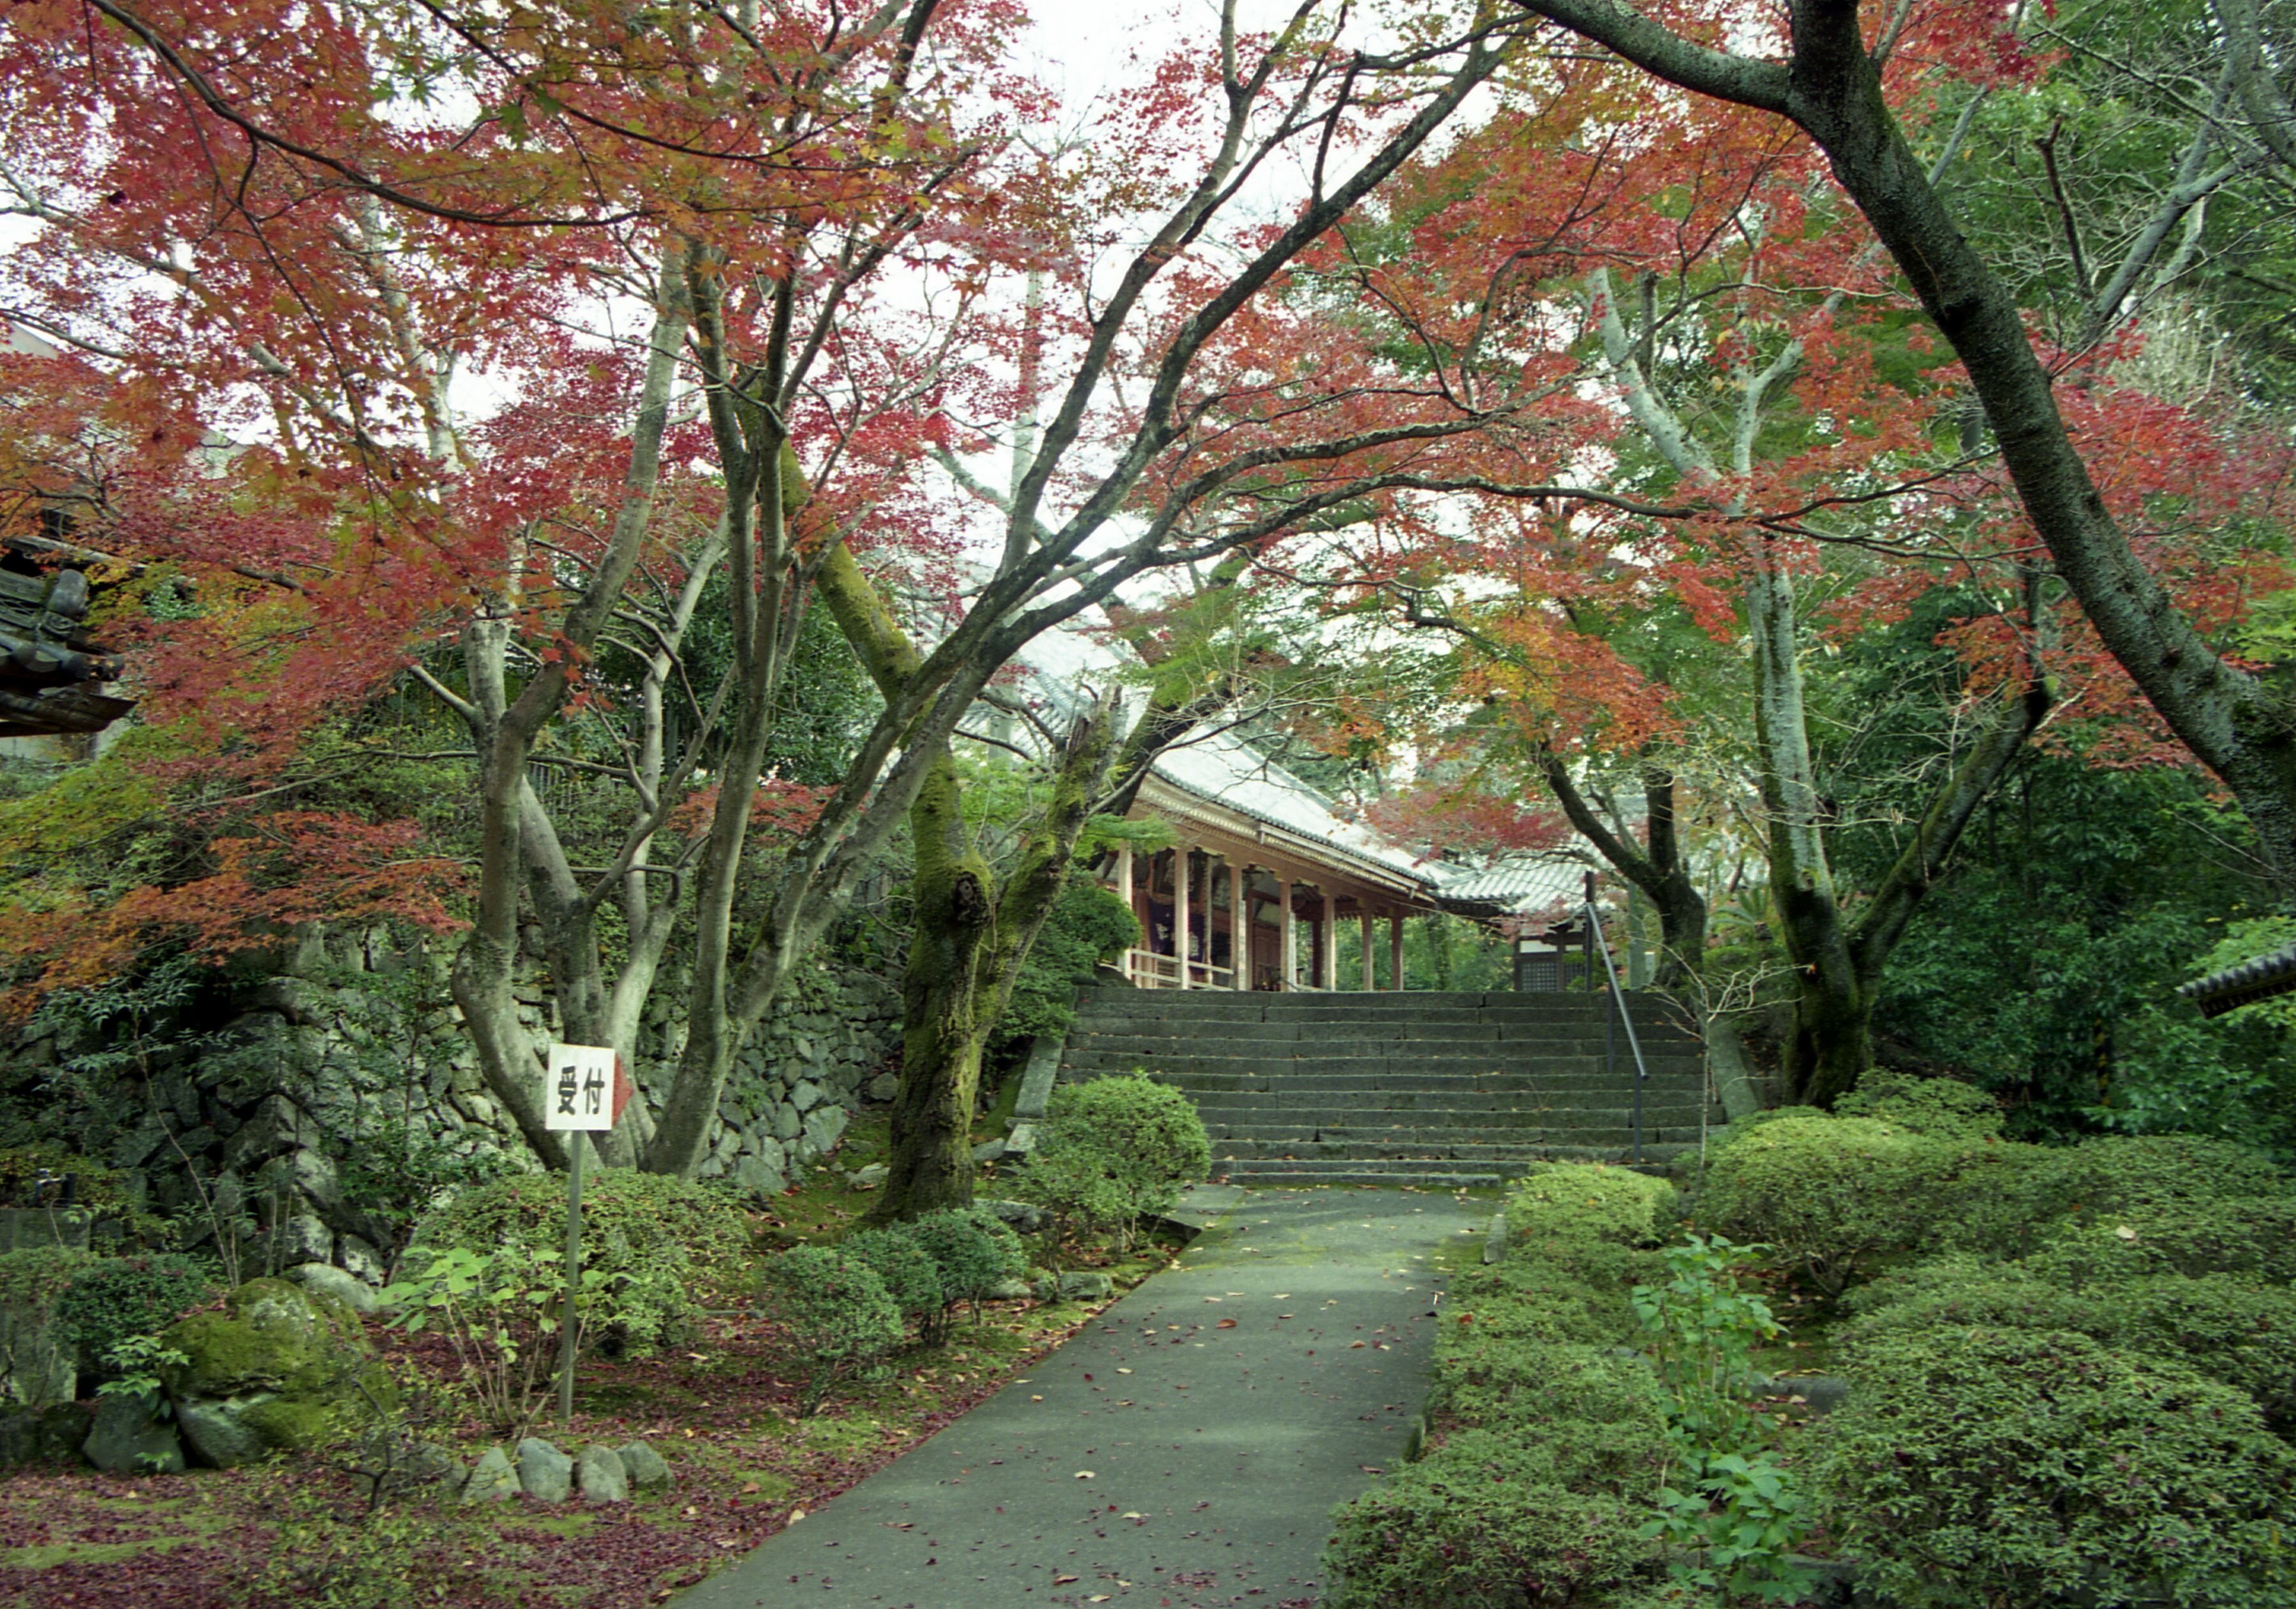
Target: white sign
x: 577, y: 1088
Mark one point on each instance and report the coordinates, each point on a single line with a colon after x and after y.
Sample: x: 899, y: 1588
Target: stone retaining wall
x: 356, y: 1036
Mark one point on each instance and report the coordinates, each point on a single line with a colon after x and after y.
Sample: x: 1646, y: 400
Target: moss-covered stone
x: 281, y: 1368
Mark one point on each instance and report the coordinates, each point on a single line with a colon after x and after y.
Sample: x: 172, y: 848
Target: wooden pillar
x: 1286, y: 977
x: 1395, y: 949
x: 1330, y: 979
x: 1180, y: 910
x: 1362, y: 921
x: 1124, y: 892
x: 1240, y: 926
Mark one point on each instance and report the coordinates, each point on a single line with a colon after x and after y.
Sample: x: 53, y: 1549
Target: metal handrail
x: 1618, y: 999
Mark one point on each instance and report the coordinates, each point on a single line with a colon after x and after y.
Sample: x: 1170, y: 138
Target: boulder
x: 129, y: 1439
x: 1011, y: 1290
x: 353, y: 1292
x: 1025, y: 1218
x: 824, y: 1125
x: 491, y: 1479
x: 600, y: 1473
x: 760, y: 1179
x: 871, y: 1177
x: 282, y: 1368
x: 884, y: 1086
x: 806, y: 1095
x: 545, y: 1474
x: 647, y: 1470
x: 1084, y: 1285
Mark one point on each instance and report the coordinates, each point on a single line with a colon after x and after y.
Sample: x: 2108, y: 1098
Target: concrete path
x: 1186, y: 1451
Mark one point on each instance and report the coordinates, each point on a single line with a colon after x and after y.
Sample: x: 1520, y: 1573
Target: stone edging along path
x: 1186, y: 1450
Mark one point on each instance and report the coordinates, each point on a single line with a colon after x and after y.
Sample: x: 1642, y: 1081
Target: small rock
x: 129, y: 1440
x: 806, y: 1095
x: 355, y: 1293
x: 491, y: 1480
x: 1011, y: 1290
x: 757, y: 1179
x: 883, y: 1087
x: 824, y: 1125
x: 1024, y: 1218
x: 646, y: 1468
x: 988, y: 1150
x: 545, y: 1474
x: 601, y: 1474
x: 870, y: 1178
x: 1084, y: 1285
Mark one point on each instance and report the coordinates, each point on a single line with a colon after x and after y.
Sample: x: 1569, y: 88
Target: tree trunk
x: 942, y: 1025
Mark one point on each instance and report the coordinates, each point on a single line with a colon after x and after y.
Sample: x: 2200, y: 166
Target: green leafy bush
x: 836, y: 1312
x: 665, y: 1247
x: 1526, y: 1300
x: 1111, y: 1149
x: 906, y: 1264
x: 35, y: 1276
x: 1483, y: 1521
x: 973, y: 1251
x: 2131, y: 1173
x: 1597, y: 1418
x: 1589, y: 1201
x: 2233, y: 1330
x: 2255, y: 1238
x: 114, y: 1299
x: 500, y: 1310
x: 1088, y: 925
x: 1972, y: 1468
x: 1945, y: 1107
x: 1828, y: 1194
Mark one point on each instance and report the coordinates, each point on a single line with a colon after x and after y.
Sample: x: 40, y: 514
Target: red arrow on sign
x: 623, y: 1088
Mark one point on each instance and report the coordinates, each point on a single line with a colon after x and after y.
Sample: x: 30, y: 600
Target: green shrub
x: 667, y: 1246
x: 1088, y: 925
x: 1112, y: 1149
x: 35, y: 1276
x: 1532, y: 1300
x: 1972, y: 1468
x: 2233, y: 1330
x: 1589, y: 1201
x: 108, y: 1191
x: 835, y: 1311
x: 973, y: 1251
x: 911, y: 1277
x: 1829, y: 1194
x: 1483, y: 1521
x: 1597, y: 1418
x: 112, y: 1300
x: 2255, y: 1238
x: 1944, y: 1107
x: 2131, y: 1173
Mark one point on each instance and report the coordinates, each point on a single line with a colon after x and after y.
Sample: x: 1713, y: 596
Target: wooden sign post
x: 584, y: 1090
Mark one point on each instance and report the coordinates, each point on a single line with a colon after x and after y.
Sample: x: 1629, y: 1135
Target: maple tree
x: 1844, y: 86
x: 404, y: 196
x: 1780, y: 459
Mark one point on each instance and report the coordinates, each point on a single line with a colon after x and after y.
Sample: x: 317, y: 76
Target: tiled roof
x: 2250, y: 981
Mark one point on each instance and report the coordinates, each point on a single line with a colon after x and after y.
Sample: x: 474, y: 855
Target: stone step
x: 1096, y: 1050
x: 1383, y: 1002
x: 1400, y: 1175
x: 1573, y: 1127
x: 1369, y: 1086
x: 1479, y: 1154
x: 1350, y: 1033
x: 1418, y: 1107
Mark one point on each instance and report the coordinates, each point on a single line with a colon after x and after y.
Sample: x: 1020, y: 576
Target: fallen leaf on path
x: 1083, y: 1475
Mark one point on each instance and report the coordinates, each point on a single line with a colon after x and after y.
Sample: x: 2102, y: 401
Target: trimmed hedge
x: 1484, y: 1523
x: 2037, y: 1467
x: 1112, y: 1149
x: 1549, y: 1444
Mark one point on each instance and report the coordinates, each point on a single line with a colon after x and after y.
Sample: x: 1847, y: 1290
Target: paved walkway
x: 1186, y: 1451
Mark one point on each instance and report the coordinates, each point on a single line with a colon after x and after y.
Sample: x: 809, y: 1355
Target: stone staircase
x: 1429, y: 1089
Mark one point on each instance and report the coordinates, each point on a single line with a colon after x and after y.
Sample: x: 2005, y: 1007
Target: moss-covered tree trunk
x: 942, y: 1021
